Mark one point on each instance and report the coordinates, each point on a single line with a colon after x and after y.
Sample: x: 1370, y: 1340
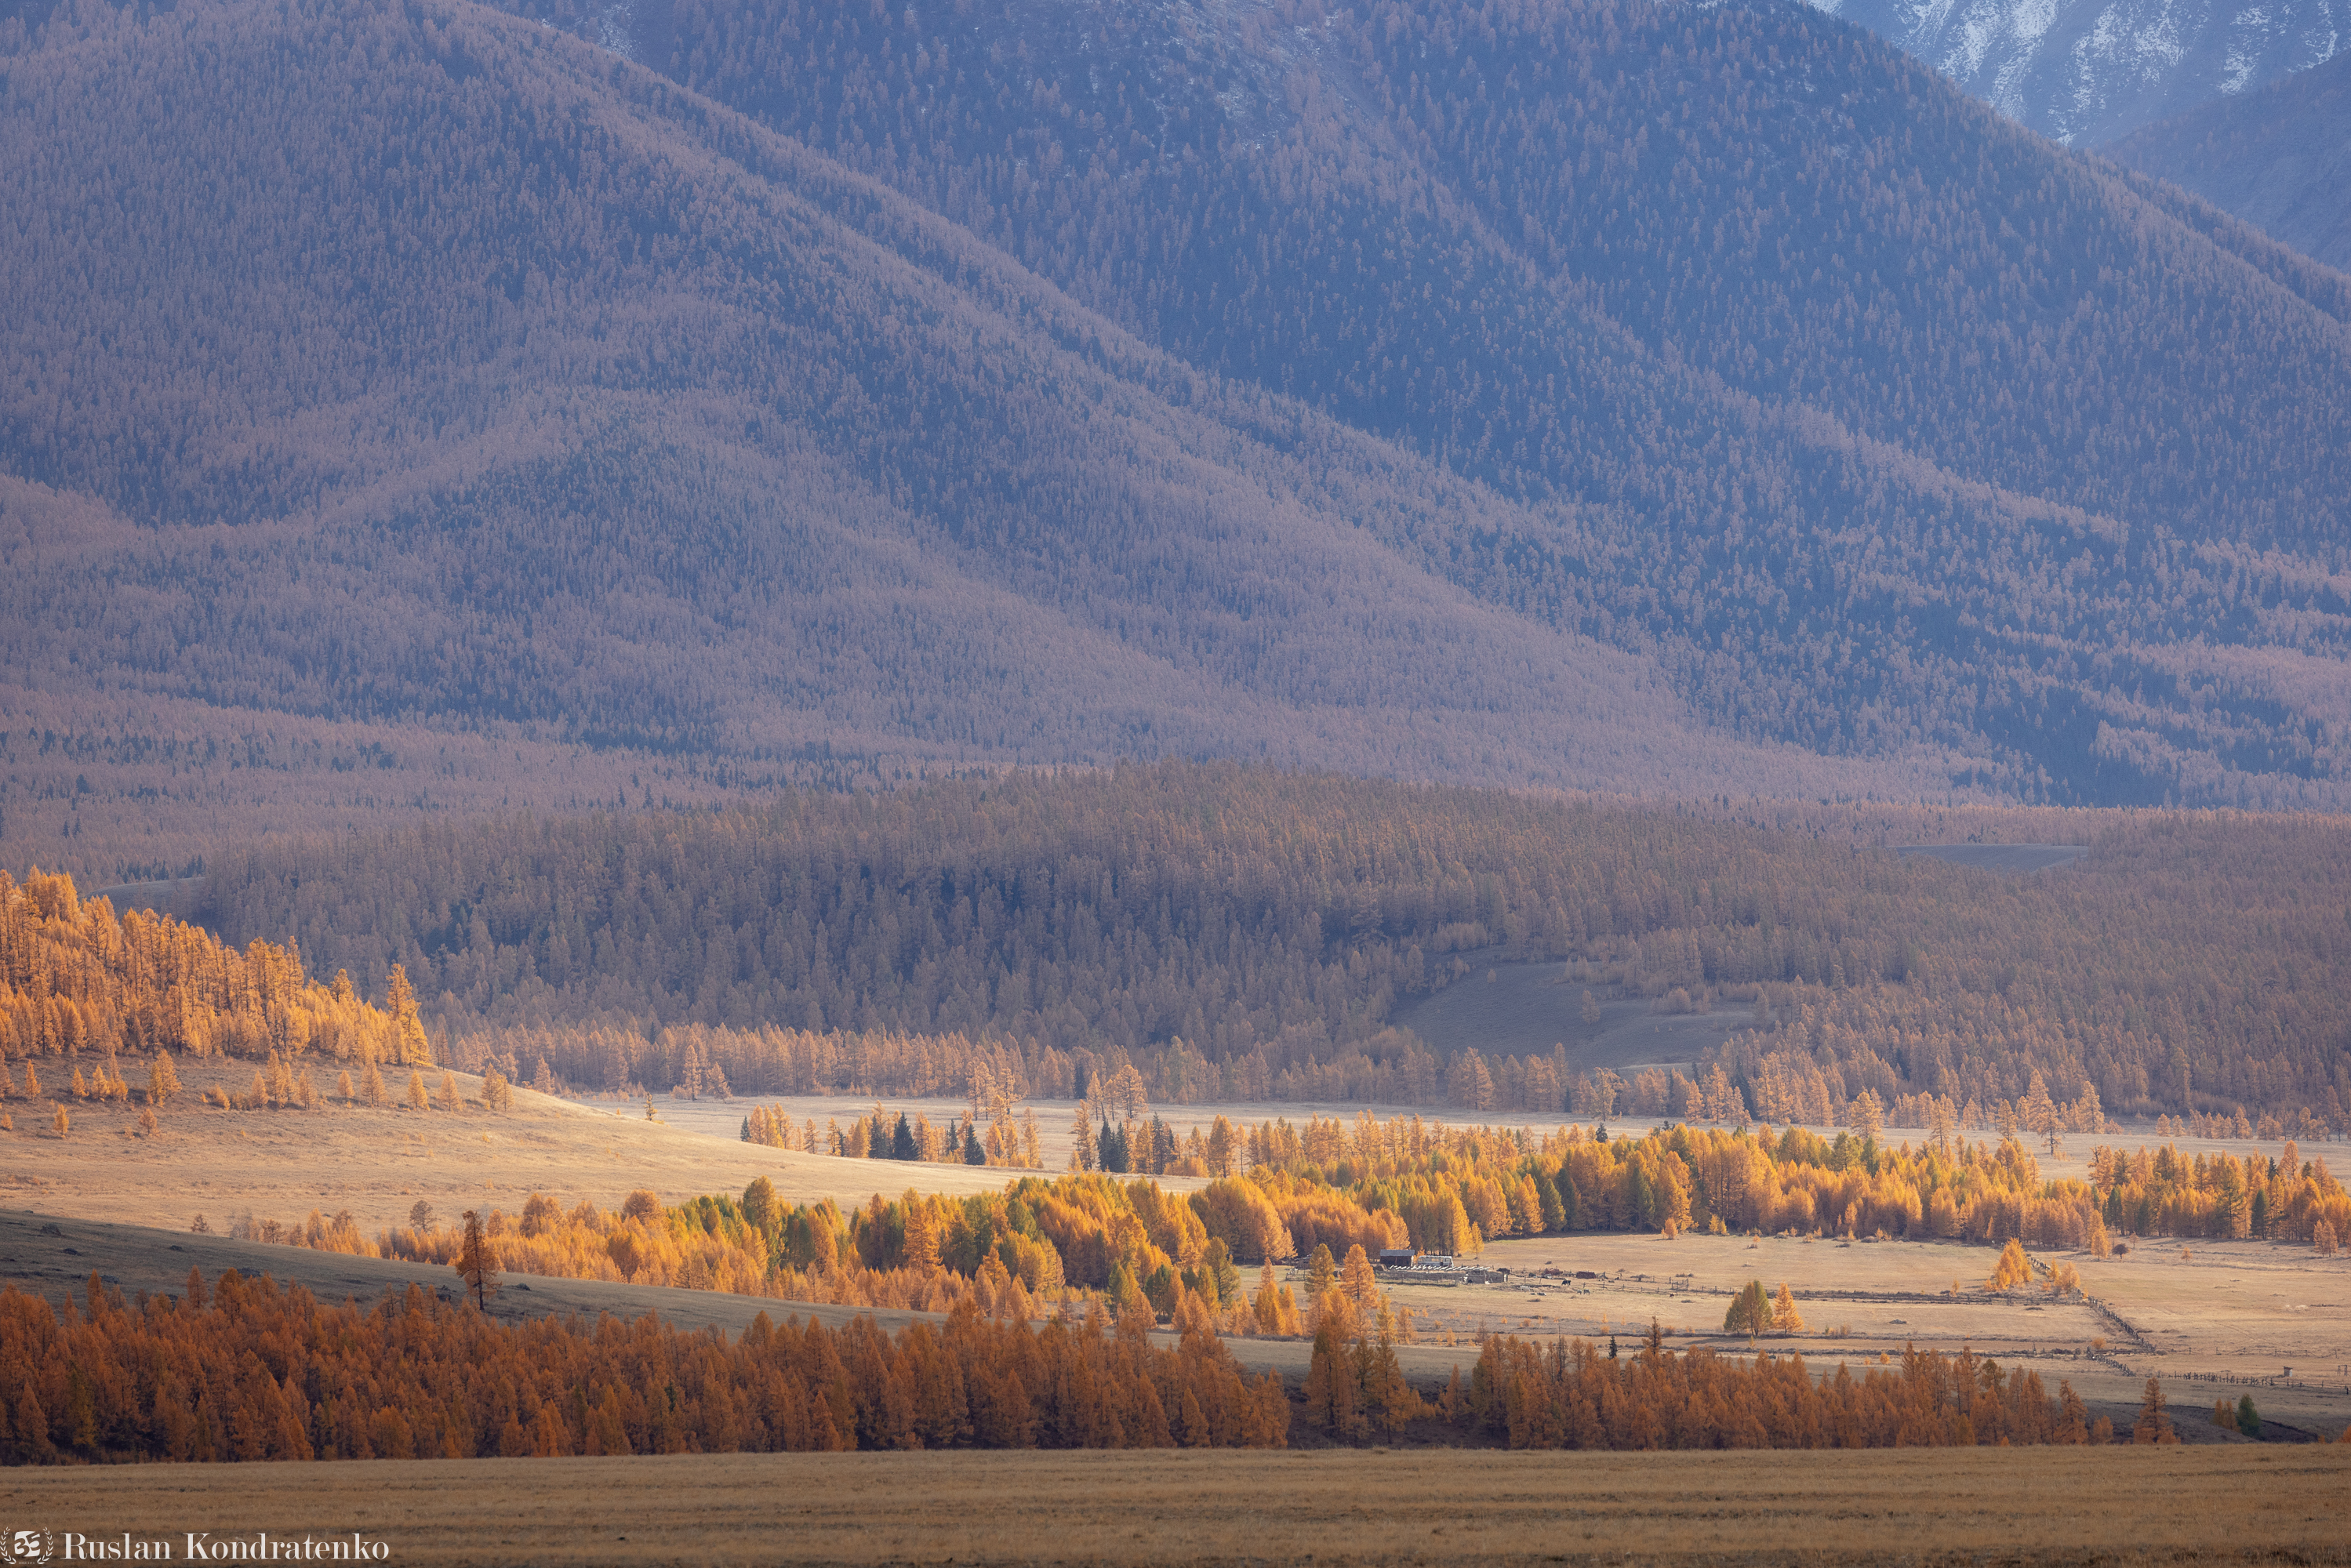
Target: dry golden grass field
x: 282, y: 1164
x: 2251, y: 1505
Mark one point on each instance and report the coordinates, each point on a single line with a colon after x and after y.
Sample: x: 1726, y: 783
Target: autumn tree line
x: 1242, y: 935
x: 1028, y: 1251
x: 76, y: 981
x: 239, y: 1369
x: 1453, y: 1187
x: 81, y: 990
x: 1568, y: 1395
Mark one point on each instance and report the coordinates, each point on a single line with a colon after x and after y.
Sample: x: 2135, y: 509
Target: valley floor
x: 2213, y: 1320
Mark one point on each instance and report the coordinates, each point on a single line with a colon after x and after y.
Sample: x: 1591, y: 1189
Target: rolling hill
x: 421, y: 409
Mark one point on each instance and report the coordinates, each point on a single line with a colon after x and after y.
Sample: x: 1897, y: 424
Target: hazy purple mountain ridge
x: 2280, y: 158
x: 2085, y: 72
x: 1632, y: 398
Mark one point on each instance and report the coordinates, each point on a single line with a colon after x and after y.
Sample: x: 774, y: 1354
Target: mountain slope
x: 1883, y: 424
x: 422, y: 367
x: 2086, y: 71
x: 2280, y: 158
x: 1622, y: 397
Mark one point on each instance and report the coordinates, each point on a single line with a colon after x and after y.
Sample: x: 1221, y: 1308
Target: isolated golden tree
x: 479, y: 1262
x: 2153, y: 1425
x: 1750, y: 1312
x: 162, y: 1082
x: 2013, y: 1267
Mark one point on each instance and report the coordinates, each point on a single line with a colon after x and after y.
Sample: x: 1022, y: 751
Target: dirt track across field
x: 1912, y: 1506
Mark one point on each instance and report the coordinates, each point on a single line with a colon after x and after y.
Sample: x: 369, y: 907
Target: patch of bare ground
x: 2010, y: 1506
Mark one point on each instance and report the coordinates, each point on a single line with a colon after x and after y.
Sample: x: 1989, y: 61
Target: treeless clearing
x: 2075, y: 1506
x: 1520, y: 1008
x: 282, y: 1164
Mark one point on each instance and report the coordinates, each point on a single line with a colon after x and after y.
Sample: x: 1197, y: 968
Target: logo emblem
x: 25, y: 1549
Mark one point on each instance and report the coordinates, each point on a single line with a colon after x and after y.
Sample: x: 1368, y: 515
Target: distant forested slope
x: 1272, y: 923
x: 2086, y: 71
x: 1885, y: 422
x: 417, y: 410
x: 426, y: 377
x: 2280, y: 158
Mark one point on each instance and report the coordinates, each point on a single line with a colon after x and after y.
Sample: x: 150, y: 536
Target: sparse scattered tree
x: 2153, y: 1425
x: 479, y: 1262
x: 2012, y: 1268
x: 1750, y: 1312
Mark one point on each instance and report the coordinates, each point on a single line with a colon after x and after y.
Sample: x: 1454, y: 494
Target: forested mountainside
x: 2280, y: 158
x: 1257, y: 925
x: 423, y: 370
x: 2087, y: 71
x: 1615, y: 396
